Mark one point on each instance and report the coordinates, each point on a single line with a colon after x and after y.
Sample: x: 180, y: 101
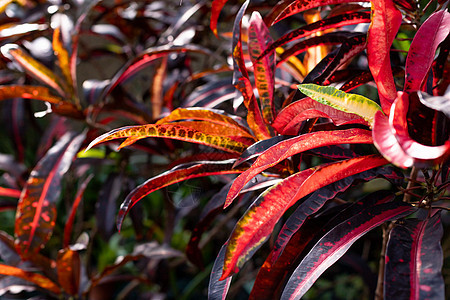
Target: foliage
x: 263, y: 161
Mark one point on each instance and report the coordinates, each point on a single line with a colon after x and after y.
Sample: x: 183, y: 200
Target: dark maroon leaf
x: 106, y: 205
x: 336, y: 242
x: 438, y: 103
x: 414, y: 260
x: 217, y: 290
x: 315, y: 202
x: 335, y: 152
x: 440, y: 68
x: 333, y: 22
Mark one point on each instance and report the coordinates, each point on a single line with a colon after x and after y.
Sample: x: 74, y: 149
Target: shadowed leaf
x: 258, y: 222
x: 438, y: 103
x: 68, y: 268
x: 336, y: 242
x: 285, y: 149
x: 333, y: 22
x: 414, y: 260
x: 36, y: 210
x: 177, y: 174
x: 218, y: 289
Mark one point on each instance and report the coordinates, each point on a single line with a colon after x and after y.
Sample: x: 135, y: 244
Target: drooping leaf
x: 36, y: 210
x: 38, y: 70
x: 414, y: 260
x: 171, y: 131
x: 216, y: 8
x: 386, y: 20
x: 285, y: 149
x: 284, y: 9
x: 241, y: 81
x: 333, y: 22
x: 351, y: 103
x: 336, y: 242
x: 387, y: 144
x: 38, y: 279
x: 399, y: 127
x: 258, y: 38
x: 290, y: 119
x: 177, y: 174
x: 68, y: 267
x: 258, y: 222
x: 73, y: 211
x: 423, y: 47
x: 217, y: 288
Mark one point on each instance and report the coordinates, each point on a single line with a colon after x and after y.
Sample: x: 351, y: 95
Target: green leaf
x: 343, y: 101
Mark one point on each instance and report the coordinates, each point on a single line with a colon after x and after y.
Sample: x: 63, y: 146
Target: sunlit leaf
x: 351, y: 103
x: 177, y: 174
x: 36, y: 210
x: 258, y: 222
x: 336, y: 242
x: 285, y: 149
x: 258, y: 38
x: 333, y: 22
x: 171, y: 131
x: 216, y: 8
x: 386, y: 20
x: 438, y: 103
x: 291, y: 117
x: 68, y: 268
x: 284, y: 9
x: 38, y: 279
x: 10, y: 30
x: 210, y: 115
x: 28, y: 92
x: 423, y: 47
x: 63, y: 58
x: 38, y: 70
x: 414, y: 260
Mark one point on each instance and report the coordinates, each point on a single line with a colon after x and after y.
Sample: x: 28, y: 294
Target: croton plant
x: 325, y: 121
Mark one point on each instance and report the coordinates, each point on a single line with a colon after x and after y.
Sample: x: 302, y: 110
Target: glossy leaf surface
x: 177, y: 174
x: 336, y: 242
x: 322, y: 25
x: 258, y: 38
x: 351, y: 103
x: 423, y: 47
x: 386, y: 20
x: 285, y: 149
x: 253, y: 229
x: 36, y: 210
x: 171, y: 131
x: 414, y: 260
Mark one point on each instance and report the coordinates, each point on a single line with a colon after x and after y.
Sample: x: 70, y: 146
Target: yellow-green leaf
x: 343, y: 101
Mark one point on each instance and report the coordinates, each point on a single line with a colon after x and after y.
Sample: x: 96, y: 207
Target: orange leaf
x: 38, y: 279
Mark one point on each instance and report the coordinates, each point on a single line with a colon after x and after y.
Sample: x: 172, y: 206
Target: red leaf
x: 68, y: 268
x: 73, y: 211
x: 414, y: 260
x: 386, y: 20
x: 285, y: 149
x: 290, y: 118
x: 285, y: 9
x: 216, y: 7
x: 6, y: 192
x: 259, y: 220
x: 38, y: 279
x: 258, y: 38
x: 423, y: 48
x: 336, y: 242
x: 177, y: 174
x: 399, y: 127
x: 333, y: 22
x: 36, y: 210
x: 28, y: 92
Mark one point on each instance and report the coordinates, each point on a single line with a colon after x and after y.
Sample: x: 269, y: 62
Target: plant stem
x: 413, y: 176
x: 381, y: 265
